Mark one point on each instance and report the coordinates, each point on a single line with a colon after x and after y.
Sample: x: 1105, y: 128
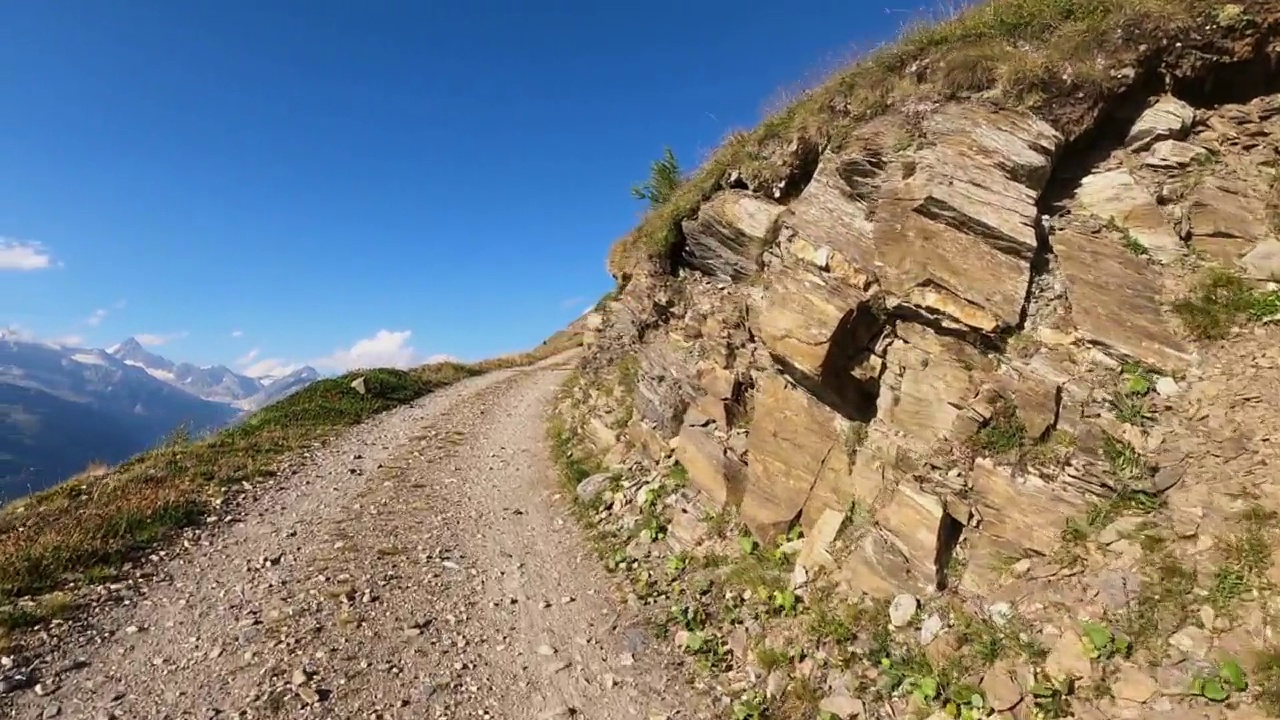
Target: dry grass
x: 1024, y: 53
x: 86, y: 527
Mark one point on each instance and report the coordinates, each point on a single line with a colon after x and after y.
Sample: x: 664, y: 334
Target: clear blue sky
x: 308, y: 173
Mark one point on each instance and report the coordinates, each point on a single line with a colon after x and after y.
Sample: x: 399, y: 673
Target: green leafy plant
x: 709, y: 649
x: 689, y: 617
x: 1229, y: 678
x: 677, y: 563
x: 664, y: 180
x: 965, y: 702
x: 747, y: 543
x: 617, y: 560
x: 1135, y: 246
x: 653, y: 529
x: 750, y: 706
x: 784, y: 602
x: 1130, y: 403
x: 1103, y: 644
x: 1050, y: 698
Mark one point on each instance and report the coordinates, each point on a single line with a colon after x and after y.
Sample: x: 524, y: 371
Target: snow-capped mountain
x: 282, y: 387
x: 62, y: 407
x: 217, y: 383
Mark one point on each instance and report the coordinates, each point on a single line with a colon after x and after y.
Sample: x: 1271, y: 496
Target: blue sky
x: 371, y: 182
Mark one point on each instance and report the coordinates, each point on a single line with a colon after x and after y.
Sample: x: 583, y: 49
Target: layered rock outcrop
x: 837, y: 355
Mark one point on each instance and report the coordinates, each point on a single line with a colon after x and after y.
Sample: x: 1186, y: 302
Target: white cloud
x: 15, y: 332
x: 119, y: 304
x: 247, y: 358
x: 237, y: 333
x: 153, y: 339
x: 18, y: 254
x: 385, y: 349
x: 432, y: 359
x: 69, y: 341
x: 270, y: 366
x: 95, y: 319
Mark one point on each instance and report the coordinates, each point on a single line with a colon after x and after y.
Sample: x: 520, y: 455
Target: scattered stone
x: 902, y: 609
x: 300, y: 676
x: 1000, y: 688
x: 1116, y: 589
x: 930, y: 629
x: 1000, y: 613
x: 308, y: 694
x: 591, y: 488
x: 1194, y: 642
x: 1116, y: 531
x: 1133, y: 685
x: 1069, y: 658
x: 1173, y: 154
x: 1166, y: 477
x: 1169, y: 118
x: 841, y: 705
x: 52, y: 710
x: 1207, y: 616
x: 776, y: 683
x: 1167, y: 387
x: 132, y: 630
x: 546, y: 650
x: 557, y: 666
x: 1263, y: 262
x: 358, y: 385
x: 560, y: 712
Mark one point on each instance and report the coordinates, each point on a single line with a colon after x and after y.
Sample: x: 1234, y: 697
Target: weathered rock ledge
x: 922, y: 358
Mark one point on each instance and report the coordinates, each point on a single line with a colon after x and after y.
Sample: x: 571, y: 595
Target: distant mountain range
x: 63, y: 408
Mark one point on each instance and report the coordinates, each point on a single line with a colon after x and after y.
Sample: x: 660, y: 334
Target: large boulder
x: 729, y: 233
x: 1169, y: 118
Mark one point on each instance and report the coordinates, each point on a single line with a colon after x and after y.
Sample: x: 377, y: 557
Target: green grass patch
x: 1004, y: 433
x: 1222, y: 300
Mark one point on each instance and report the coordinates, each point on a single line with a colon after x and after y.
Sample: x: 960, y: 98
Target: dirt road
x: 422, y: 566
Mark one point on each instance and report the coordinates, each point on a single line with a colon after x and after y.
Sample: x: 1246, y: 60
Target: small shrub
x: 1103, y: 644
x: 664, y: 180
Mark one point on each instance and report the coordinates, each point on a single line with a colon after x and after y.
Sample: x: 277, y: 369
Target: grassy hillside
x: 1063, y: 59
x: 86, y: 527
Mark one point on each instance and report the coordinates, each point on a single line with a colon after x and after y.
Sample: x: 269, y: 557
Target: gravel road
x: 423, y: 565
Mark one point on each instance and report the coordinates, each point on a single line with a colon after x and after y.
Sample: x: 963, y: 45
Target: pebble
x: 52, y: 710
x: 308, y: 694
x: 546, y: 650
x: 902, y: 609
x: 1000, y: 613
x: 930, y: 629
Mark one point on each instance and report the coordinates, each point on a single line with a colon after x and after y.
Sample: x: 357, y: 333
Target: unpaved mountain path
x: 423, y: 565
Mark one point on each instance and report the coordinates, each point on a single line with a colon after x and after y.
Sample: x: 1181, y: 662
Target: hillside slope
x: 973, y: 345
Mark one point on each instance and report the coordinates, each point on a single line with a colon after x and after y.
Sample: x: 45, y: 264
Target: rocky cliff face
x: 956, y: 345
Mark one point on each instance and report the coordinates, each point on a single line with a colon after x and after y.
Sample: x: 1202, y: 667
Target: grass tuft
x: 1222, y: 300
